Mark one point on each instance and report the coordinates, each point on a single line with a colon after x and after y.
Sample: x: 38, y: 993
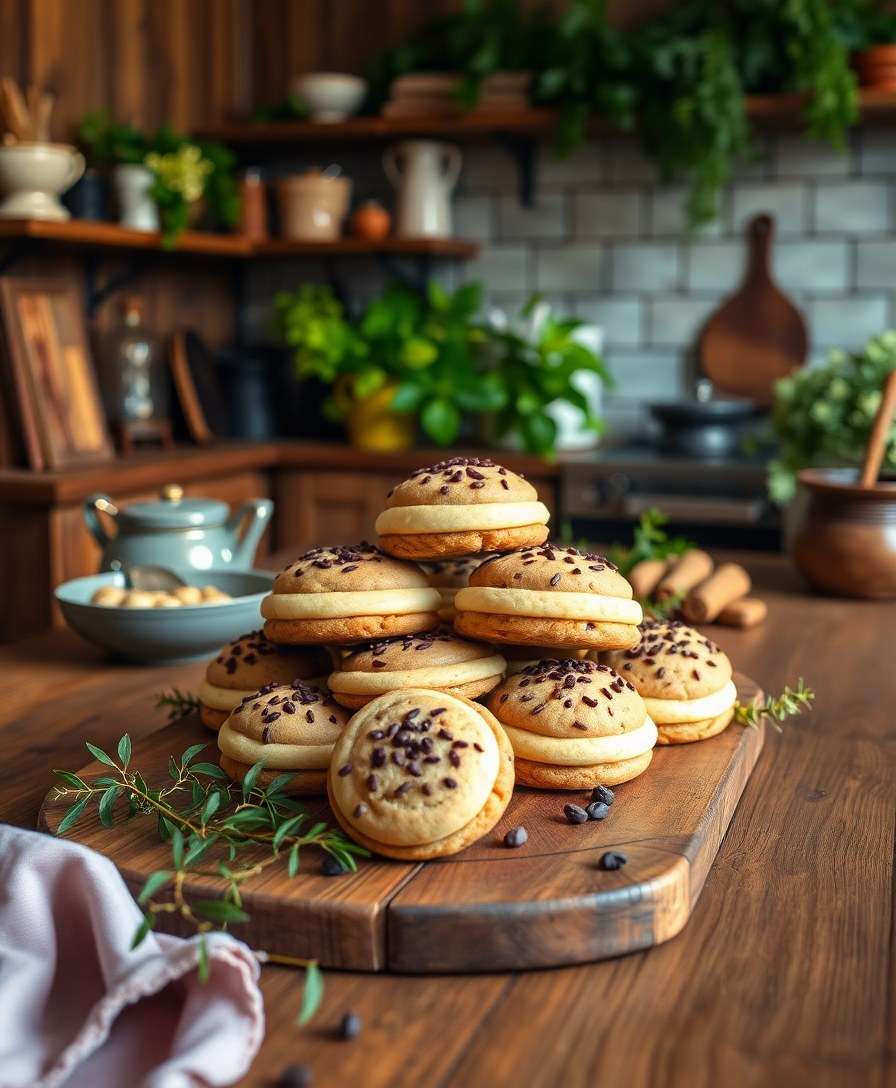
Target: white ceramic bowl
x: 331, y: 96
x: 32, y: 175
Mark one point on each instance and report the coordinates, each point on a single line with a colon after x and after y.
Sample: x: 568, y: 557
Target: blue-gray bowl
x: 164, y: 636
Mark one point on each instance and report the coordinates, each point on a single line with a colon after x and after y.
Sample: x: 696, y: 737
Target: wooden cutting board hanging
x: 757, y: 335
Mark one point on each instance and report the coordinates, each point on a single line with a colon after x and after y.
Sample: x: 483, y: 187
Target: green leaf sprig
x: 177, y: 703
x: 649, y: 541
x: 216, y: 830
x: 775, y: 708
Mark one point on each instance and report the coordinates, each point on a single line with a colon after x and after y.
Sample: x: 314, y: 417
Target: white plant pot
x: 572, y: 434
x: 32, y: 177
x: 136, y: 208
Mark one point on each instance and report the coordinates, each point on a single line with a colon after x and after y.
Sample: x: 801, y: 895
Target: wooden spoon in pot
x: 877, y: 440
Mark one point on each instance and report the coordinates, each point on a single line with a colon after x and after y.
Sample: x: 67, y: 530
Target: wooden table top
x: 784, y: 975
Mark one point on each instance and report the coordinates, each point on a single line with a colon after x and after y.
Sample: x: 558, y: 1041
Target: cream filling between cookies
x: 582, y: 751
x: 682, y: 711
x: 436, y: 676
x: 344, y: 605
x: 548, y: 604
x: 221, y: 698
x: 275, y: 757
x: 456, y: 519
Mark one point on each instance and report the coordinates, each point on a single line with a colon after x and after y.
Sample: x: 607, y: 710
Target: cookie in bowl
x: 574, y: 725
x: 249, y: 663
x: 420, y: 774
x: 461, y: 507
x: 290, y: 728
x: 549, y: 596
x: 439, y: 661
x: 683, y: 678
x: 450, y: 575
x: 348, y: 594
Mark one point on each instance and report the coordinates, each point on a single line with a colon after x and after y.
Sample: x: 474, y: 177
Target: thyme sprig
x: 775, y: 708
x: 178, y: 703
x: 215, y: 829
x: 661, y: 610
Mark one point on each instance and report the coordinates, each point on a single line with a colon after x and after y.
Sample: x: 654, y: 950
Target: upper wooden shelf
x: 84, y: 235
x: 764, y: 109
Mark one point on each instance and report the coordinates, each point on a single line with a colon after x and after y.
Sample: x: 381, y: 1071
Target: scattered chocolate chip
x: 373, y: 783
x: 579, y: 725
x: 401, y: 790
x: 453, y: 758
x: 555, y: 579
x: 350, y: 1028
x: 449, y: 783
x: 345, y: 769
x: 612, y: 861
x: 575, y: 814
x: 516, y: 836
x: 296, y: 1076
x: 597, y: 810
x: 330, y: 866
x: 360, y: 810
x: 603, y: 794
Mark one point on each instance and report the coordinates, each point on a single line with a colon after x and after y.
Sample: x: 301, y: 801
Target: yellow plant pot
x: 372, y: 425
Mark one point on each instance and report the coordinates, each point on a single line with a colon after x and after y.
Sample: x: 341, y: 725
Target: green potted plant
x: 822, y: 415
x: 869, y: 30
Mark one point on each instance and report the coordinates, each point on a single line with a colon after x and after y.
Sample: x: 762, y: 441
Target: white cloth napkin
x: 79, y: 1009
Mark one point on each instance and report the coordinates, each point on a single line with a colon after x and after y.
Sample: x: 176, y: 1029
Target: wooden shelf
x: 770, y: 109
x: 83, y: 235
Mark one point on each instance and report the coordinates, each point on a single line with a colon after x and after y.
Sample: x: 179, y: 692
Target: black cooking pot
x: 712, y: 428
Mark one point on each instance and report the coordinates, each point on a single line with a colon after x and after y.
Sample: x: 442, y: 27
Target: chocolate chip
x: 555, y: 579
x: 378, y: 757
x: 373, y: 783
x: 360, y: 810
x: 345, y: 769
x: 603, y: 794
x: 575, y: 814
x: 296, y: 1076
x: 449, y: 783
x: 579, y: 725
x: 445, y: 735
x: 597, y: 810
x: 401, y: 790
x: 453, y: 758
x: 612, y: 861
x: 516, y: 836
x: 350, y: 1028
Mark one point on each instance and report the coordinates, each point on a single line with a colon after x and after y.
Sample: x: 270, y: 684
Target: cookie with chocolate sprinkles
x: 348, y: 594
x: 461, y: 507
x: 248, y: 663
x: 420, y: 774
x: 574, y: 725
x: 291, y: 728
x: 549, y: 596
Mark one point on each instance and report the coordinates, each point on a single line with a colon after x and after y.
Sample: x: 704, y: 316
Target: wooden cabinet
x: 319, y: 507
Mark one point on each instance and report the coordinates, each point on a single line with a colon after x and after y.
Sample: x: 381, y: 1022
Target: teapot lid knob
x: 172, y: 492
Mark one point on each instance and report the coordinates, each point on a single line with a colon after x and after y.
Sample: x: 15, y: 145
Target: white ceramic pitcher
x: 424, y: 172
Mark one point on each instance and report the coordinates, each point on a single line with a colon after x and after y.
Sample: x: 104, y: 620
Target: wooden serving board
x: 489, y: 908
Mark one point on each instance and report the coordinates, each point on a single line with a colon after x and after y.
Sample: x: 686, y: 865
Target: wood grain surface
x: 488, y: 908
x: 783, y: 976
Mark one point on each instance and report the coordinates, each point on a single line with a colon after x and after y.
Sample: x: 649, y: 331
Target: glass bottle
x: 135, y: 381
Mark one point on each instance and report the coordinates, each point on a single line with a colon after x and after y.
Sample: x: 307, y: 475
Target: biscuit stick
x: 691, y: 569
x: 729, y: 582
x: 746, y: 612
x: 645, y: 576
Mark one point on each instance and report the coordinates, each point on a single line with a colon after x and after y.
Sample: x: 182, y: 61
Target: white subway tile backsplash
x: 474, y: 218
x: 546, y: 219
x: 812, y: 265
x: 798, y: 156
x: 502, y: 268
x: 584, y: 166
x: 667, y: 214
x: 714, y: 266
x: 877, y: 151
x: 626, y: 162
x: 876, y: 264
x: 675, y: 321
x: 645, y: 375
x: 621, y: 319
x: 488, y: 166
x: 846, y: 322
x: 786, y: 202
x: 853, y: 207
x: 644, y: 267
x: 567, y: 268
x: 608, y: 214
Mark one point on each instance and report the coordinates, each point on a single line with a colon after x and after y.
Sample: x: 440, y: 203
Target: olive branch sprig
x: 775, y: 708
x: 661, y: 610
x: 178, y: 703
x: 215, y: 829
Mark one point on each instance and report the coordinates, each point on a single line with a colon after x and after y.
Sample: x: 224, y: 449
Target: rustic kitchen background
x: 597, y: 234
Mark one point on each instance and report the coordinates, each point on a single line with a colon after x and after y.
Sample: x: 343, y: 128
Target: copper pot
x: 846, y: 545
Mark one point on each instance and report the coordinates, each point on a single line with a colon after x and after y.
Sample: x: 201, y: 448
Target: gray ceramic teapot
x: 178, y: 531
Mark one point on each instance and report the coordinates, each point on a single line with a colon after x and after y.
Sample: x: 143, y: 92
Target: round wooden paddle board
x: 490, y: 908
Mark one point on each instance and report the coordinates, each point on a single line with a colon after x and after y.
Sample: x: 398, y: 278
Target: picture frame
x: 199, y: 396
x: 55, y: 394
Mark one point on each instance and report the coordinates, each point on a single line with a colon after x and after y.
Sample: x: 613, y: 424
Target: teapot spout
x: 253, y: 518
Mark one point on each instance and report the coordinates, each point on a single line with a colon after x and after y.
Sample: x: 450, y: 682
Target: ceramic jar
x: 178, y: 532
x: 136, y: 208
x: 424, y: 173
x: 312, y: 206
x: 32, y: 176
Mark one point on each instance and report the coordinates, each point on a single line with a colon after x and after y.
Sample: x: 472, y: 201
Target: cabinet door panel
x: 318, y: 508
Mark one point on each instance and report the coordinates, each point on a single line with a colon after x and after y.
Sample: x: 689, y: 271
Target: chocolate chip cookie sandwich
x: 420, y: 774
x: 450, y: 575
x: 683, y: 678
x: 249, y: 663
x: 574, y: 725
x: 549, y: 596
x: 438, y: 661
x: 461, y: 507
x: 348, y: 594
x: 290, y: 728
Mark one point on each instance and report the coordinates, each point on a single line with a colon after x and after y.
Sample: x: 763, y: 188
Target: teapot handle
x: 94, y: 505
x: 453, y: 163
x: 391, y: 158
x: 256, y: 513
